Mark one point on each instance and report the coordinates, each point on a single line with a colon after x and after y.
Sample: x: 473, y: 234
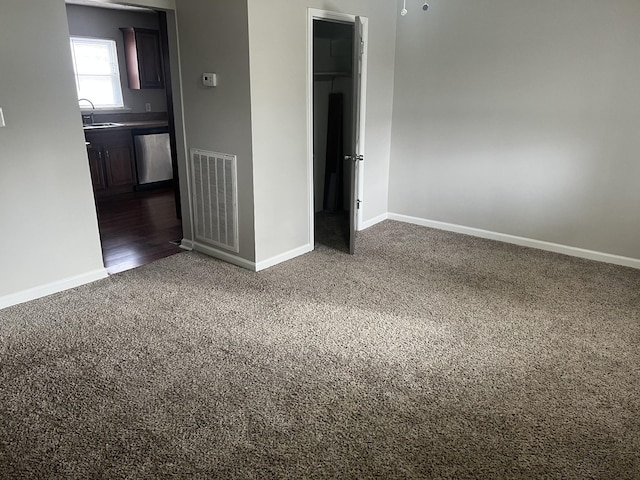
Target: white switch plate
x: 2, y: 118
x: 210, y: 79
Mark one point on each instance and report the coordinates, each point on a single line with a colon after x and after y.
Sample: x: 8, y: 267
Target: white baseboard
x: 219, y: 254
x: 525, y: 242
x: 241, y: 262
x: 186, y: 245
x: 373, y: 221
x: 296, y: 252
x: 51, y: 288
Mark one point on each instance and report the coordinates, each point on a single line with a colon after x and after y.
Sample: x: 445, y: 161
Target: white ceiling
x: 106, y: 4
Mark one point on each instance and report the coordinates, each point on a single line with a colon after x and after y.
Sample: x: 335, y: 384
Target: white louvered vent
x: 215, y: 198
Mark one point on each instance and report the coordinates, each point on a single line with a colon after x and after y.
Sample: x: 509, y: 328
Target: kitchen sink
x: 102, y: 125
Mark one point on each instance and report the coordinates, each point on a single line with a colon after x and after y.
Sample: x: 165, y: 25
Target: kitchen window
x: 95, y: 64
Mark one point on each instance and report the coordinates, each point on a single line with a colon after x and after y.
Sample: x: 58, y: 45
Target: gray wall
x: 521, y: 118
x: 105, y: 23
x: 278, y: 42
x: 214, y: 38
x: 48, y: 221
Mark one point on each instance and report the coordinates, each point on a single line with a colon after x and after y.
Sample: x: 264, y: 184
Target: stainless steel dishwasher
x: 153, y: 156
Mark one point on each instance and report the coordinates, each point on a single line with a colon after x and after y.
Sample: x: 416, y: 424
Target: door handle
x: 357, y: 158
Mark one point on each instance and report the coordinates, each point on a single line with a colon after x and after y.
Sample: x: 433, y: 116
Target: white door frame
x: 315, y: 14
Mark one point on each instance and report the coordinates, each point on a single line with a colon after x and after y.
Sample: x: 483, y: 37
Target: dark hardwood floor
x: 138, y: 228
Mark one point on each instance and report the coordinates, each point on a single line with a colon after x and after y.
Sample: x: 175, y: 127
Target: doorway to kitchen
x: 131, y: 147
x: 138, y: 228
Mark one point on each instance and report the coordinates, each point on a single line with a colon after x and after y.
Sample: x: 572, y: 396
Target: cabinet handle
x: 107, y: 154
x: 99, y: 155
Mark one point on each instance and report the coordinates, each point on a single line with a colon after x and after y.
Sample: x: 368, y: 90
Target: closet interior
x: 332, y: 117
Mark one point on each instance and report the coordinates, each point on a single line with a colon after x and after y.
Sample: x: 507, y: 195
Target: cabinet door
x: 149, y: 60
x: 119, y: 165
x: 96, y: 167
x: 143, y: 57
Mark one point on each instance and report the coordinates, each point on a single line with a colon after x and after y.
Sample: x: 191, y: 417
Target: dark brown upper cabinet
x: 143, y: 57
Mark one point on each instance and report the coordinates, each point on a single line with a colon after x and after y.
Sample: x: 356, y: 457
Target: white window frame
x: 114, y: 74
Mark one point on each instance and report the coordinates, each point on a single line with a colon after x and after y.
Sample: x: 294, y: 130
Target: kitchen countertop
x: 129, y: 126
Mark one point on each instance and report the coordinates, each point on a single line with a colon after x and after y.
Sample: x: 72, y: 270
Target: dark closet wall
x: 332, y: 57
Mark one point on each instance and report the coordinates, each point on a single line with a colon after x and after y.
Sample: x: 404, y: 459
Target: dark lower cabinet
x: 119, y: 166
x: 96, y: 166
x: 111, y: 162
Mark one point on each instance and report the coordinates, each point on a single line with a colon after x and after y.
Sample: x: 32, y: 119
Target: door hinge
x: 358, y: 202
x: 361, y: 47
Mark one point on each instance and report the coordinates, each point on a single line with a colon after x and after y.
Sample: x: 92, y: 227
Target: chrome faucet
x: 87, y: 119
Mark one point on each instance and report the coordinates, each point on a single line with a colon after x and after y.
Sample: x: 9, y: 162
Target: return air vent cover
x: 215, y: 198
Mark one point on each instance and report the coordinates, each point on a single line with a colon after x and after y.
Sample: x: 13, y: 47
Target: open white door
x: 355, y: 157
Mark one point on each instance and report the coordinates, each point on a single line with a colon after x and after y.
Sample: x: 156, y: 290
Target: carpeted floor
x: 426, y: 355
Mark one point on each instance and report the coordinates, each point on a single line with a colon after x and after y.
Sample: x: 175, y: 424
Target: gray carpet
x: 426, y: 355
